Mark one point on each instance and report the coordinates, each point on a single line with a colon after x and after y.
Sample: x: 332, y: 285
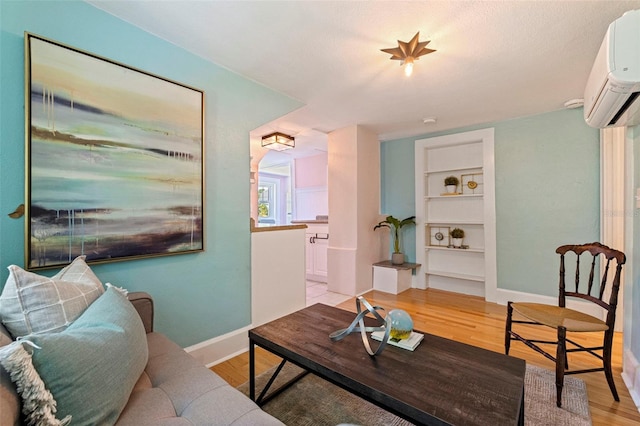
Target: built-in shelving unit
x: 470, y: 269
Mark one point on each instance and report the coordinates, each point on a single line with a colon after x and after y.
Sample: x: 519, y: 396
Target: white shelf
x: 468, y: 250
x: 453, y: 197
x: 448, y: 274
x: 454, y: 222
x: 464, y: 169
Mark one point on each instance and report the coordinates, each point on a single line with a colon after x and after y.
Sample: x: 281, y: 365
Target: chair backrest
x: 585, y: 289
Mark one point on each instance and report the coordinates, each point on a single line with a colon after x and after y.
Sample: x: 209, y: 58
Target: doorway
x: 274, y: 194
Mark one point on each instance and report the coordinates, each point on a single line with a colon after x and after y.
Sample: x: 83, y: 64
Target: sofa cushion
x: 32, y: 303
x: 91, y: 367
x: 175, y: 389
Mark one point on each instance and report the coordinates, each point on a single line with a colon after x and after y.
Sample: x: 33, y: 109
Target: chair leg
x: 507, y: 330
x: 561, y: 355
x: 606, y: 359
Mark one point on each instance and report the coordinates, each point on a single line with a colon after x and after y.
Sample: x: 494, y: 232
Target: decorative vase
x: 451, y: 189
x: 457, y: 242
x: 397, y: 258
x: 401, y: 324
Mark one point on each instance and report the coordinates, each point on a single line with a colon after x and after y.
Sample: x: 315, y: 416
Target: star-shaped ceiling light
x: 409, y: 52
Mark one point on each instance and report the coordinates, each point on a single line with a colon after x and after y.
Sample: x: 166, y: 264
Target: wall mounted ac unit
x: 611, y: 97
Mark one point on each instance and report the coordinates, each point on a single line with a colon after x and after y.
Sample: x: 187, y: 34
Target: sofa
x: 174, y: 389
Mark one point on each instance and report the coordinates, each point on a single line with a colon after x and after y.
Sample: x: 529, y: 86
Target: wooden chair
x: 566, y: 320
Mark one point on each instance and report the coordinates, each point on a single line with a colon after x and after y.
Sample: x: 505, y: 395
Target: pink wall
x: 311, y: 171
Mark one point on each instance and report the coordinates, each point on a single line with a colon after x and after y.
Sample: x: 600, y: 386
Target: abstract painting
x: 114, y: 159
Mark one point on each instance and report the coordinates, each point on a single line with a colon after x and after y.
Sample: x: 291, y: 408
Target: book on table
x: 410, y: 343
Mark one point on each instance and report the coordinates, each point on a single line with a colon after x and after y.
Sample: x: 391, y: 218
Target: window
x: 266, y: 202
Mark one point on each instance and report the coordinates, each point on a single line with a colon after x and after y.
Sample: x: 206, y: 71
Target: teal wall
x: 198, y: 296
x: 547, y: 171
x: 397, y: 189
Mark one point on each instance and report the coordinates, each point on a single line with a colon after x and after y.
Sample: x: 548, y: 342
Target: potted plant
x: 457, y: 235
x: 395, y: 225
x: 451, y: 183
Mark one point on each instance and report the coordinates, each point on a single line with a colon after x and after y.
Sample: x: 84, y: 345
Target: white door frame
x: 612, y: 198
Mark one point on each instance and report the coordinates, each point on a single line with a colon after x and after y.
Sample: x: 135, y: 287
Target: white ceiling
x: 495, y: 60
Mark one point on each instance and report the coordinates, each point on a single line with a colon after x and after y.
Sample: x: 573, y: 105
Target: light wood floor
x: 473, y: 321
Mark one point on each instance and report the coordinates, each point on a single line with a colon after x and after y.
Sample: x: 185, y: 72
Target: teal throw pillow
x: 93, y: 365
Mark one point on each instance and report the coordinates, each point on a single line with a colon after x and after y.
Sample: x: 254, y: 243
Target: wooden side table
x: 392, y: 278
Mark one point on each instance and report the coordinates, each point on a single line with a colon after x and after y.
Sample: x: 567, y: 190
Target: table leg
x: 252, y: 371
x: 521, y: 416
x: 263, y: 398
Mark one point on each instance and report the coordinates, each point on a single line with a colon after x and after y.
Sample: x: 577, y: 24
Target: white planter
x: 451, y: 189
x: 457, y: 242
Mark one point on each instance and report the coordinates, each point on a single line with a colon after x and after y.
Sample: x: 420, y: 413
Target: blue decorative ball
x: 401, y: 324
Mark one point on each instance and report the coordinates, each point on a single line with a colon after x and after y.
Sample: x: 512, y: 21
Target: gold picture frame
x: 438, y: 236
x: 472, y: 183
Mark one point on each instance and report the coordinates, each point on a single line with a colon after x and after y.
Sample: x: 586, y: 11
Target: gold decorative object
x: 472, y: 183
x: 18, y: 212
x: 408, y: 52
x: 438, y: 236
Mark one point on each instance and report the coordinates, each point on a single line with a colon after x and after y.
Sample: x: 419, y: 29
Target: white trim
x: 612, y: 199
x: 630, y: 211
x: 221, y: 348
x: 490, y: 243
x: 630, y: 364
x: 631, y: 376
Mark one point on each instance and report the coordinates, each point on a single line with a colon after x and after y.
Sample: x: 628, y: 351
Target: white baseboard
x: 503, y: 296
x: 221, y: 348
x: 631, y: 376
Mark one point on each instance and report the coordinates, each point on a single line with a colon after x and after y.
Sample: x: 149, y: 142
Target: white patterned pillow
x: 32, y: 303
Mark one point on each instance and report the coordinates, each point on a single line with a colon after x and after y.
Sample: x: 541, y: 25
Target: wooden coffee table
x: 442, y: 382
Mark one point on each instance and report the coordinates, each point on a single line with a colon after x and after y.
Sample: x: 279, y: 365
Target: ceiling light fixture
x: 408, y: 52
x: 278, y: 141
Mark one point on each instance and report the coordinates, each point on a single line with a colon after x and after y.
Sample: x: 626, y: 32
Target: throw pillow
x: 32, y: 303
x: 90, y: 368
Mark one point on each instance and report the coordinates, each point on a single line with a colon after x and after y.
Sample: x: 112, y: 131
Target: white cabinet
x: 392, y: 278
x: 470, y: 269
x: 276, y: 269
x: 316, y: 252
